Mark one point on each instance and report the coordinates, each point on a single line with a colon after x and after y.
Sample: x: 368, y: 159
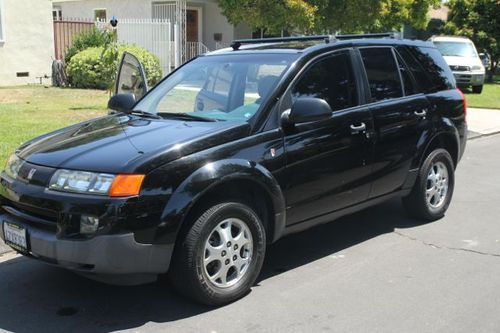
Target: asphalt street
x: 374, y: 271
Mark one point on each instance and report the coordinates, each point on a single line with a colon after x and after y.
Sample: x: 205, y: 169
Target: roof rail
x: 236, y: 44
x: 395, y: 35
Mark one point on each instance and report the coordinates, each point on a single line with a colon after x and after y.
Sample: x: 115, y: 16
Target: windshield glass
x: 220, y: 87
x: 456, y: 49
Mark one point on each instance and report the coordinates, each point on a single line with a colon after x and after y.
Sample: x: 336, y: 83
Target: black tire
x: 187, y: 271
x: 416, y: 202
x: 477, y: 89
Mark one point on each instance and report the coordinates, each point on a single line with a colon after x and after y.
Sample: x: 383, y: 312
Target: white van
x: 461, y: 55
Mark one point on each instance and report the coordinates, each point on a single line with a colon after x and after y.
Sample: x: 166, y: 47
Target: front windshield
x: 456, y: 49
x: 220, y: 87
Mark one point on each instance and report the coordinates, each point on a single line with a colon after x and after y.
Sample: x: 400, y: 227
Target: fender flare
x: 446, y: 129
x: 189, y: 192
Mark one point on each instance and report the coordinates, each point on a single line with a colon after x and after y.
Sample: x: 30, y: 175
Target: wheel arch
x: 225, y: 179
x: 448, y: 140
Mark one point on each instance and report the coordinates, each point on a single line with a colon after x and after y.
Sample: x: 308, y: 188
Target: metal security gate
x: 174, y: 12
x: 152, y: 34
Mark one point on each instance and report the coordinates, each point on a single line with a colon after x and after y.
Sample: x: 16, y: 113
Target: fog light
x: 88, y: 224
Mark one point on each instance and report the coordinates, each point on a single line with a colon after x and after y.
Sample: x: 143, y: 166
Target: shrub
x: 88, y: 38
x: 96, y: 67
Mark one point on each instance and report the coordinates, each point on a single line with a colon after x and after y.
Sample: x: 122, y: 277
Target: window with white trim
x: 100, y: 14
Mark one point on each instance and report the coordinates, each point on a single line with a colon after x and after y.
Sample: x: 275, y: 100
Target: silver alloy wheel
x: 228, y: 253
x: 437, y: 185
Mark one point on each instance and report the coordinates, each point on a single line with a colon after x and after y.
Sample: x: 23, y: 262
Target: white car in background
x: 461, y: 55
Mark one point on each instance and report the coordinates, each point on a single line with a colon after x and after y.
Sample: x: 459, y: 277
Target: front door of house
x: 192, y: 25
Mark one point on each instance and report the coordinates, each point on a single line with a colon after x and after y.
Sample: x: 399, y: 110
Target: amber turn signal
x: 126, y: 185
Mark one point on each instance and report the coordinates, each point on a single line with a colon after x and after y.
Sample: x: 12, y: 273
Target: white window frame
x: 2, y: 22
x: 96, y: 9
x: 58, y: 12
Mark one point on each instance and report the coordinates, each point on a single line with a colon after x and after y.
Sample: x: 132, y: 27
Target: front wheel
x: 221, y: 255
x: 433, y: 190
x: 477, y: 89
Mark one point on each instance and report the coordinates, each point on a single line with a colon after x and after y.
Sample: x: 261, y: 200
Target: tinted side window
x: 408, y: 83
x: 428, y: 67
x: 331, y: 79
x: 382, y: 72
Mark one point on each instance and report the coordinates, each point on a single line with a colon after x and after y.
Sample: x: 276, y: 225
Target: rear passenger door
x: 400, y: 114
x: 328, y: 161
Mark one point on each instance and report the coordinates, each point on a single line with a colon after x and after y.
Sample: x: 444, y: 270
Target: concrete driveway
x: 374, y: 271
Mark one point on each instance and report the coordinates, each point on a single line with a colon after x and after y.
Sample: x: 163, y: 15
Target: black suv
x: 233, y: 151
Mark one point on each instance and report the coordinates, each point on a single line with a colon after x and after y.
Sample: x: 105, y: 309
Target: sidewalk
x: 483, y: 122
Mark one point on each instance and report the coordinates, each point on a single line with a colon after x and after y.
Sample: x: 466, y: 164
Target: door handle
x: 421, y: 113
x: 356, y: 129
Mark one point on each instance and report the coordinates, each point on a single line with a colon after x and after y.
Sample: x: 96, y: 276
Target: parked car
x: 461, y: 55
x: 233, y: 151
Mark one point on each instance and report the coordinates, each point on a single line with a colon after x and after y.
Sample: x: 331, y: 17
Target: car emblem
x: 31, y: 173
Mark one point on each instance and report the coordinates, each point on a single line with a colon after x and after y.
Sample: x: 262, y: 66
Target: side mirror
x: 305, y: 110
x: 121, y: 102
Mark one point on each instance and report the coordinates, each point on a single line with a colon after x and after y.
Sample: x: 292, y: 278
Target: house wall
x: 212, y: 20
x: 28, y: 45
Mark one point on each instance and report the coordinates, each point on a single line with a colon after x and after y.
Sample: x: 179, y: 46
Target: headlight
x: 477, y: 68
x: 96, y: 183
x: 81, y: 182
x: 13, y: 165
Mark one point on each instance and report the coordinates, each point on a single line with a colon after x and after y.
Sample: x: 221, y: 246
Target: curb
x: 481, y: 135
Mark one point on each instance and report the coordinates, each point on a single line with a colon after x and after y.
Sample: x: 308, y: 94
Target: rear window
x: 428, y: 68
x: 382, y: 72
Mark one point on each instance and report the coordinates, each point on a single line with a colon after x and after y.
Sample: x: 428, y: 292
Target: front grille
x: 460, y: 68
x: 39, y: 217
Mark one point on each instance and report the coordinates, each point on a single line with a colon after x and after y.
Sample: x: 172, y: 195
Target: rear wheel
x: 221, y: 255
x: 433, y: 190
x: 477, y: 89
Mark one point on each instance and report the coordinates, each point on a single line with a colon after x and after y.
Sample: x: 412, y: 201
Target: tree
x: 480, y: 21
x: 271, y: 15
x: 347, y: 16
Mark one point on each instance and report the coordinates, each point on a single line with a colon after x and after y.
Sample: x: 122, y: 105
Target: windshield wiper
x: 144, y: 114
x: 186, y: 116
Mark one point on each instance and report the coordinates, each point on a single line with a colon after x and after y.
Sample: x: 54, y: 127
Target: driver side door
x: 328, y: 161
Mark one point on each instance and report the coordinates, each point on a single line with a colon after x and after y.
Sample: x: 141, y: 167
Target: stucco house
x: 202, y: 19
x: 26, y: 41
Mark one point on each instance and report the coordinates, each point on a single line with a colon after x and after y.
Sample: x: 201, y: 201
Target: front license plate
x: 15, y: 236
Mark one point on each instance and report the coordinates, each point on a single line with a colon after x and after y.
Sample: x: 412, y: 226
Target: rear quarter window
x: 428, y: 67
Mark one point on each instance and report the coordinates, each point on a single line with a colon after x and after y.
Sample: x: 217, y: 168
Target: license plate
x: 15, y: 236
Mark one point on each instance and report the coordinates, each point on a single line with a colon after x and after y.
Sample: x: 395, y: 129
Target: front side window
x: 221, y: 87
x: 331, y: 79
x: 382, y: 72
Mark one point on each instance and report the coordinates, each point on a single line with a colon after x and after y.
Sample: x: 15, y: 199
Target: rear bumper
x: 103, y: 254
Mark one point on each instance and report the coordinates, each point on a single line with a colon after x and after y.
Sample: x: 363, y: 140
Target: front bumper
x: 103, y: 254
x: 469, y: 78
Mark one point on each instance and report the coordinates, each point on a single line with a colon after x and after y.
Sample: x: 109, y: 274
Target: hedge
x: 95, y: 68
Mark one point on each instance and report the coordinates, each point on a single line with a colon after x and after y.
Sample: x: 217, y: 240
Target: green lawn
x: 28, y: 111
x: 489, y: 98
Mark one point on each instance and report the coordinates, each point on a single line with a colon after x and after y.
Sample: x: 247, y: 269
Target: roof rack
x: 236, y: 44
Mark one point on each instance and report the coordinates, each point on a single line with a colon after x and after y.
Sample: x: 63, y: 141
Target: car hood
x: 127, y: 143
x: 463, y: 61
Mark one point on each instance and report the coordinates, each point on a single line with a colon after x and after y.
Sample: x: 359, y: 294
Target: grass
x: 489, y: 98
x: 29, y: 111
